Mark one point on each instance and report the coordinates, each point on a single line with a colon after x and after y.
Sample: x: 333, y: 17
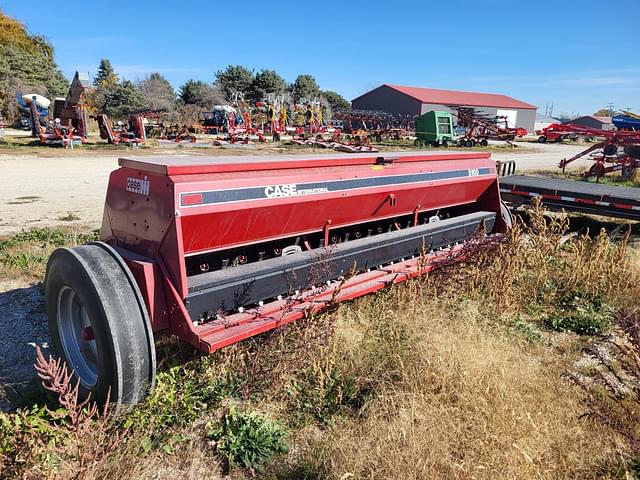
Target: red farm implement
x: 377, y: 125
x: 72, y: 132
x: 134, y: 134
x: 218, y: 249
x: 613, y: 150
x: 479, y: 128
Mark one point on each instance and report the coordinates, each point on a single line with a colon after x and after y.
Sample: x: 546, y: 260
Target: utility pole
x: 610, y: 107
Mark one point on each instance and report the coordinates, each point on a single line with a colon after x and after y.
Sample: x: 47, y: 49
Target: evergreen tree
x: 196, y: 92
x: 265, y: 82
x: 106, y: 75
x: 335, y: 100
x: 234, y: 79
x: 305, y: 87
x: 122, y: 100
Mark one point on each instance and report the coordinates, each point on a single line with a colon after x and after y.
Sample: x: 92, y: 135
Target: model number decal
x: 138, y: 185
x: 474, y: 172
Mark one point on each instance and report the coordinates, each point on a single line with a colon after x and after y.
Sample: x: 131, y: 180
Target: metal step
x: 226, y: 290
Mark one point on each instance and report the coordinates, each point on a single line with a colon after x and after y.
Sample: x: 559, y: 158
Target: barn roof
x: 602, y: 119
x: 455, y: 97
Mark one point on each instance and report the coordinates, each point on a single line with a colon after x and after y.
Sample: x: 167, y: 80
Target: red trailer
x: 218, y: 249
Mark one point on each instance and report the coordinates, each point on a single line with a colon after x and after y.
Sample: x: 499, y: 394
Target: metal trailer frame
x: 571, y: 195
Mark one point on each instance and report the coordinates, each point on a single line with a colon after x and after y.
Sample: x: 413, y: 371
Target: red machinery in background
x: 378, y: 125
x: 479, y: 127
x: 614, y: 150
x: 218, y: 249
x: 66, y: 135
x: 134, y: 134
x: 557, y: 132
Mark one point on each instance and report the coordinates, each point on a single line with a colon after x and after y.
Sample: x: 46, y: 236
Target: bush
x: 248, y: 439
x: 182, y: 395
x: 325, y: 394
x: 529, y: 331
x: 581, y: 313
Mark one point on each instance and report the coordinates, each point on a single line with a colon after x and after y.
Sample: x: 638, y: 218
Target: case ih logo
x: 288, y: 190
x: 138, y: 185
x: 291, y: 190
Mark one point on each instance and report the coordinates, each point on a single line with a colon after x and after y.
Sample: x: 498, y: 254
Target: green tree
x: 234, y: 79
x: 122, y: 100
x: 158, y: 93
x: 14, y: 33
x: 265, y: 82
x: 106, y: 75
x: 335, y: 100
x: 27, y: 65
x: 305, y: 87
x: 196, y: 92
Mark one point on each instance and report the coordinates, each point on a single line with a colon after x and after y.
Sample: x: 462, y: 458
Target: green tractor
x: 434, y: 128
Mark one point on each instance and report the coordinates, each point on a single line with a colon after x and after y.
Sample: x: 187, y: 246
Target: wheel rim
x: 73, y: 322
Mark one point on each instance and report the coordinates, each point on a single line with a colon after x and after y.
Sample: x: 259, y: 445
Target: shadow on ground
x: 24, y: 325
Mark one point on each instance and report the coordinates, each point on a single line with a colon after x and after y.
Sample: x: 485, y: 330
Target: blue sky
x: 578, y: 55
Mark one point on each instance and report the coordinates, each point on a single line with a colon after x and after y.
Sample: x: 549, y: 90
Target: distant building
x: 591, y: 121
x: 417, y: 101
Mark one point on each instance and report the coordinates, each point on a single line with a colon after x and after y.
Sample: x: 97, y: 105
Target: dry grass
x: 454, y: 376
x: 467, y: 402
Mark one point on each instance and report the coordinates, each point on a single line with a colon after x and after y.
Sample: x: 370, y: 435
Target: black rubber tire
x: 542, y: 139
x: 99, y: 277
x: 610, y: 150
x: 484, y: 143
x: 378, y: 138
x: 417, y: 143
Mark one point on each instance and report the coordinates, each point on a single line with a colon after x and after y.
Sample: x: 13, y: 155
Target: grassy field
x: 523, y: 361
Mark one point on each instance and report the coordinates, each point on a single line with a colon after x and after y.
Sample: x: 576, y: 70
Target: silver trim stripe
x: 212, y: 197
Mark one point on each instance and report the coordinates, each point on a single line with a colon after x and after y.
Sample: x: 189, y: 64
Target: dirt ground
x: 54, y: 187
x: 69, y: 187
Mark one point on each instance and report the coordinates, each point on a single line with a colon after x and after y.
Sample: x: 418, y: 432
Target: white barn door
x: 512, y: 116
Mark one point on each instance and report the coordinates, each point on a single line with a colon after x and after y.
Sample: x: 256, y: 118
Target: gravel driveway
x: 36, y: 191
